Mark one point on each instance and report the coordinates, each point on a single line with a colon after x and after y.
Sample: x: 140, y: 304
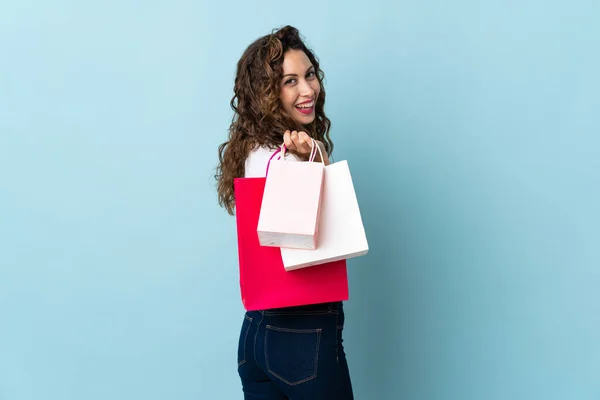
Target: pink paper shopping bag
x: 264, y: 283
x: 290, y: 212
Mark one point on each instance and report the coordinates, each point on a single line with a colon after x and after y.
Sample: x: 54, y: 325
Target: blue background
x: 472, y: 131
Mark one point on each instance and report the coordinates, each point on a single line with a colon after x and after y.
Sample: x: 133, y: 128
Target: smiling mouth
x: 306, y: 108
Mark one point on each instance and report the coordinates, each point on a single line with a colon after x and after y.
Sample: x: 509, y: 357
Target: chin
x: 305, y: 120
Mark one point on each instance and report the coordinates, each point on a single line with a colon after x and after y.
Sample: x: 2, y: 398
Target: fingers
x: 303, y: 143
x: 298, y: 142
x: 287, y: 140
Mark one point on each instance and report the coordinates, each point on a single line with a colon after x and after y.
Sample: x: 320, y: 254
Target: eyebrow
x: 311, y: 67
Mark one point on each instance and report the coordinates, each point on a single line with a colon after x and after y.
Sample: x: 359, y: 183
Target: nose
x: 306, y: 89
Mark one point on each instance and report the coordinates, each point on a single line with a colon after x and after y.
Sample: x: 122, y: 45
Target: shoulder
x: 258, y: 159
x: 256, y: 162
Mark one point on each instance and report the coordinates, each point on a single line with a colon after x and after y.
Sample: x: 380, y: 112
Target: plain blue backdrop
x: 472, y: 131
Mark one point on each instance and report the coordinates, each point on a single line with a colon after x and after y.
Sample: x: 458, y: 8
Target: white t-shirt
x: 257, y: 160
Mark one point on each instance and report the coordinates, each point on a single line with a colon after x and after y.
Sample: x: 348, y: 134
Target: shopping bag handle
x: 313, y: 151
x: 270, y: 159
x: 282, y: 150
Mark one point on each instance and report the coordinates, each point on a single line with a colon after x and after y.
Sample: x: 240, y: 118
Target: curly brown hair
x: 258, y: 118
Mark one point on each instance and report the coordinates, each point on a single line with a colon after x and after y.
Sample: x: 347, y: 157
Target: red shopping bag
x: 264, y: 282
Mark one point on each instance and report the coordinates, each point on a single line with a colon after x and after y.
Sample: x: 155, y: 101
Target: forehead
x: 295, y: 62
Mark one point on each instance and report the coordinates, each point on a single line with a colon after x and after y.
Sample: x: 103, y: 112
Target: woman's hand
x: 300, y: 144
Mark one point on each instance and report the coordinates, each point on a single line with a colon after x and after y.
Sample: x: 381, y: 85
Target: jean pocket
x: 243, y: 340
x: 292, y: 355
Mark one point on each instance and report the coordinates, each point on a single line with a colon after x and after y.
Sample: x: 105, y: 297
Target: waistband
x: 323, y: 307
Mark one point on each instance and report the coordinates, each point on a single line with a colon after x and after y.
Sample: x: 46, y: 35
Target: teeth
x: 307, y: 105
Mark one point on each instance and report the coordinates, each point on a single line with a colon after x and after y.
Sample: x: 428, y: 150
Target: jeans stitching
x: 242, y: 362
x: 256, y: 335
x: 313, y: 376
x: 276, y: 328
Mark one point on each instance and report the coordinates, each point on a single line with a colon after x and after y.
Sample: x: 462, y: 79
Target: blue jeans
x: 294, y: 353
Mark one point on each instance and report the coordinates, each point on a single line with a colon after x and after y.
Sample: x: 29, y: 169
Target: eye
x: 311, y: 74
x: 290, y: 81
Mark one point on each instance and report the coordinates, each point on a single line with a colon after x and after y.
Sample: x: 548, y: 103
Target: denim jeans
x: 294, y: 353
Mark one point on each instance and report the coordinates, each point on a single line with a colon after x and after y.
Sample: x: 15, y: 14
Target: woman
x: 287, y: 353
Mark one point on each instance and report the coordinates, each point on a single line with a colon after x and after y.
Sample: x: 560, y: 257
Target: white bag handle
x: 313, y: 151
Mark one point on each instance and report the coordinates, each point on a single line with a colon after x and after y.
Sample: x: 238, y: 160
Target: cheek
x: 317, y: 88
x: 286, y: 98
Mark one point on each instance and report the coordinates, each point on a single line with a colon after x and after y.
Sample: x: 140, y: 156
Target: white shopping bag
x: 291, y: 204
x: 341, y: 230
